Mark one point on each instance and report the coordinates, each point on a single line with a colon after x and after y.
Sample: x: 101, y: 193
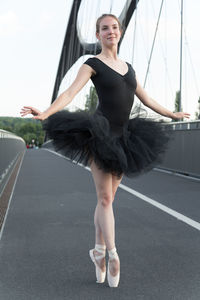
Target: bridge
x: 46, y: 217
x: 48, y: 230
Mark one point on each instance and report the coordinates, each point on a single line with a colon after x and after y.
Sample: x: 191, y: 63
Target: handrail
x: 11, y: 146
x: 183, y: 125
x: 9, y: 135
x: 184, y: 122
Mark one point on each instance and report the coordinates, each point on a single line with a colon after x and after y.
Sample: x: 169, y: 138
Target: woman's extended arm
x: 84, y: 74
x: 149, y: 102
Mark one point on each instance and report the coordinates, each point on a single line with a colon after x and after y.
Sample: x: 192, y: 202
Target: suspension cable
x: 191, y: 62
x: 164, y: 53
x: 149, y: 61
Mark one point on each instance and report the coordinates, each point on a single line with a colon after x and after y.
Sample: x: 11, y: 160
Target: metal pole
x: 181, y: 55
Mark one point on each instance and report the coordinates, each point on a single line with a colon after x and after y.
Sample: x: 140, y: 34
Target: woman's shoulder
x: 90, y: 61
x: 130, y: 66
x: 93, y: 63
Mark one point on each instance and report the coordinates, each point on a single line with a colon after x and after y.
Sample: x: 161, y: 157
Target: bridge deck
x: 49, y: 230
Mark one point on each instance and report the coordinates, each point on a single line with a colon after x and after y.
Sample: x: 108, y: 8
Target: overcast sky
x: 31, y: 38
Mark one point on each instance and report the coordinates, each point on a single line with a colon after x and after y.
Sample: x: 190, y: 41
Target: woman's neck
x: 109, y: 54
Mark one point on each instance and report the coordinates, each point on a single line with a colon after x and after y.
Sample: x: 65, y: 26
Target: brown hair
x: 102, y: 17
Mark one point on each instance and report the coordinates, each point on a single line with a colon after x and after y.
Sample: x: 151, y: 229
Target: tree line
x: 30, y: 130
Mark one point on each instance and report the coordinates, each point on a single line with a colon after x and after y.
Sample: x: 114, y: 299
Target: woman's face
x: 109, y: 33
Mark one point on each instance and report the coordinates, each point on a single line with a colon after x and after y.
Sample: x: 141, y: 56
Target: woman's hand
x: 37, y: 114
x: 180, y: 115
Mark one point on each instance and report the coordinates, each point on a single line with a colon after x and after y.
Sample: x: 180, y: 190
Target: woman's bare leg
x: 98, y: 233
x: 114, y: 264
x: 106, y: 186
x: 104, y: 218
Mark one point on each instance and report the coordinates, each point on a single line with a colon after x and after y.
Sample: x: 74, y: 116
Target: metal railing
x: 185, y: 125
x: 183, y: 152
x: 11, y: 146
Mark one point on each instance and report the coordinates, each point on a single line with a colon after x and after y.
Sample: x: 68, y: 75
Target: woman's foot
x: 97, y: 255
x: 113, y: 272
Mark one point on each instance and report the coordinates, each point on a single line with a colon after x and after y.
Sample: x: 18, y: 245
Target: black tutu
x: 84, y: 137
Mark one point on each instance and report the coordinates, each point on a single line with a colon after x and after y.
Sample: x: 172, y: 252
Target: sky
x: 32, y: 34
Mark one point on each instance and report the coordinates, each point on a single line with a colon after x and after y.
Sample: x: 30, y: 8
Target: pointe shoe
x: 113, y: 281
x: 100, y: 274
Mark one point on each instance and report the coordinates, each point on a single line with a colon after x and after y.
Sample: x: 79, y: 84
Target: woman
x: 108, y: 141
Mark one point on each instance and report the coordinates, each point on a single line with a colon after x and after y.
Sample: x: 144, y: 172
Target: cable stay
x: 164, y: 55
x: 152, y: 48
x: 191, y: 61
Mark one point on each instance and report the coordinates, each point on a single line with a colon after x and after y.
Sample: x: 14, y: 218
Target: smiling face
x: 109, y: 32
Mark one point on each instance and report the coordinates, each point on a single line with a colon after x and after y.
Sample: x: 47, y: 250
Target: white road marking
x: 177, y: 174
x: 162, y: 207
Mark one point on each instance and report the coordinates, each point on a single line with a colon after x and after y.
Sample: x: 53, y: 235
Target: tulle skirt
x: 85, y: 137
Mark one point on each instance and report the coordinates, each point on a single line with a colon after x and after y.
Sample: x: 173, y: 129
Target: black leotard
x: 115, y: 92
x: 114, y: 142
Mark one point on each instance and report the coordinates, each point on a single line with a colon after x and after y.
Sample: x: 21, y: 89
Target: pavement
x: 49, y: 230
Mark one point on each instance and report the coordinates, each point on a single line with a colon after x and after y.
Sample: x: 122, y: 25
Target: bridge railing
x: 10, y: 148
x: 186, y: 125
x: 184, y: 148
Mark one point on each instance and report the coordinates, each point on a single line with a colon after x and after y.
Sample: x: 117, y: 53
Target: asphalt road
x: 49, y: 230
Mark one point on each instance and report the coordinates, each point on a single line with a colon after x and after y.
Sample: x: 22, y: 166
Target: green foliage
x: 91, y: 100
x: 177, y: 101
x: 197, y: 113
x: 28, y: 129
x: 178, y: 107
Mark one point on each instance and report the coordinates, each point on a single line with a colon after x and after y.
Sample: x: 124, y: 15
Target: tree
x: 178, y: 107
x: 27, y: 128
x: 197, y: 113
x: 29, y: 137
x: 177, y: 101
x: 91, y: 100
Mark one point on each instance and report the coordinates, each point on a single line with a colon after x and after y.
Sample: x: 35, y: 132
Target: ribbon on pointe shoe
x: 100, y: 275
x: 113, y: 281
